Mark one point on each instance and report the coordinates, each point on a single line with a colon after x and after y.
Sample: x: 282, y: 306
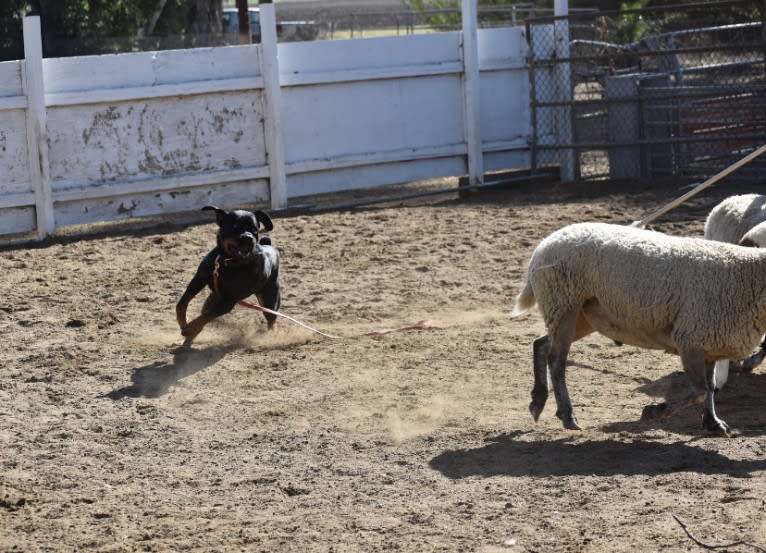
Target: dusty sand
x: 112, y: 440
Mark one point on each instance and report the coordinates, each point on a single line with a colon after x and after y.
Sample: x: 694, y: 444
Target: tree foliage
x: 77, y: 27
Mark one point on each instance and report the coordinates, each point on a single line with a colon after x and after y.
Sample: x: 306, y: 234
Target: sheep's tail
x: 524, y: 301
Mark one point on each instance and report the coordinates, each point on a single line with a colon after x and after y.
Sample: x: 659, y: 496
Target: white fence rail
x: 101, y: 138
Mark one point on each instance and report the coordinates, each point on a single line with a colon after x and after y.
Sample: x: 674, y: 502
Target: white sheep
x: 646, y: 289
x: 732, y: 218
x: 755, y: 237
x: 739, y: 220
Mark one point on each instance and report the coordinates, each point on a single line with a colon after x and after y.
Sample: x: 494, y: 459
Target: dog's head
x: 238, y: 230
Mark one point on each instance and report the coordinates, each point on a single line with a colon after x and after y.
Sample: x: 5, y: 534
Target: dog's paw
x: 182, y: 349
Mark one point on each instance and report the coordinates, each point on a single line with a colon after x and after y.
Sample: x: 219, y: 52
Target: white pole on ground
x: 37, y: 126
x: 562, y: 80
x: 272, y: 116
x: 471, y: 98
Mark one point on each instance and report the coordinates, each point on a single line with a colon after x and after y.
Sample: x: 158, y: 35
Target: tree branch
x: 149, y: 29
x: 713, y: 547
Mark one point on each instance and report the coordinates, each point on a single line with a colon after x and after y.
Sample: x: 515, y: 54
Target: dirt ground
x: 111, y: 439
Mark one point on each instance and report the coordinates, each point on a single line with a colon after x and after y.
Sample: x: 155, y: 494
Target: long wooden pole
x: 697, y: 189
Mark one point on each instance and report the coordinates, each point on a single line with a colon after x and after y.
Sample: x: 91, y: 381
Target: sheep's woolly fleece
x: 648, y: 281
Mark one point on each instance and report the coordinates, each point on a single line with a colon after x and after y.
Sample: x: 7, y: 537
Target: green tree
x: 11, y: 13
x: 449, y: 17
x: 77, y: 27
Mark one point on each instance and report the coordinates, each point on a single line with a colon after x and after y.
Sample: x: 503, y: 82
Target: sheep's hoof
x: 750, y: 363
x: 569, y: 421
x: 714, y: 425
x: 653, y: 412
x: 538, y: 402
x: 572, y: 424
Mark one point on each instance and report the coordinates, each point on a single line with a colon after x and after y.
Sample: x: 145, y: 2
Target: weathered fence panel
x: 17, y: 212
x: 396, y: 101
x: 165, y: 121
x: 148, y: 133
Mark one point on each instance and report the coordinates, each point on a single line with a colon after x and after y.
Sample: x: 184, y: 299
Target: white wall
x: 159, y: 132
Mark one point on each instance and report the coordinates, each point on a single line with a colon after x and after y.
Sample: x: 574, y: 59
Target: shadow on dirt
x: 506, y: 455
x: 740, y: 404
x: 156, y: 379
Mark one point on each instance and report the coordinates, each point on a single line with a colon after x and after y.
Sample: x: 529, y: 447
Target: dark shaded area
x: 155, y: 380
x: 507, y: 455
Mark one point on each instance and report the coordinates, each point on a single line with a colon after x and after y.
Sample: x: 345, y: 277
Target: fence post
x: 471, y: 99
x: 272, y: 116
x: 563, y: 83
x: 37, y: 126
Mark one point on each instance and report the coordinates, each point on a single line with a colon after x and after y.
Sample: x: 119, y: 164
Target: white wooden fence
x: 100, y: 138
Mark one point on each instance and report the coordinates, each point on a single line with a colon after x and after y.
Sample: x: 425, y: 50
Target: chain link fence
x: 353, y: 24
x: 678, y: 90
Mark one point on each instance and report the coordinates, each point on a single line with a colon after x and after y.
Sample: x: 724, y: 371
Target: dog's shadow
x: 155, y: 380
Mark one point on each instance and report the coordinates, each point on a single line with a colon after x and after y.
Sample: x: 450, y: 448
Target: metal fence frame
x: 681, y: 101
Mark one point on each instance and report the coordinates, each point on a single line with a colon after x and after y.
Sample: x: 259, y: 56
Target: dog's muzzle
x: 240, y: 247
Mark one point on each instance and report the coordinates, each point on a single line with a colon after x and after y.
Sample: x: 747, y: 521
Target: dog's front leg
x: 214, y: 307
x: 271, y: 298
x: 195, y: 287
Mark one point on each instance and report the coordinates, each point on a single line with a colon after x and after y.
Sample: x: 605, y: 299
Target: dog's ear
x: 219, y: 213
x: 264, y: 219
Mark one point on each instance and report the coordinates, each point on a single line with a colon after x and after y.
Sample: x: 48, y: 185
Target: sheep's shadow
x: 739, y: 403
x: 155, y: 379
x: 637, y: 378
x: 511, y: 455
x: 515, y: 454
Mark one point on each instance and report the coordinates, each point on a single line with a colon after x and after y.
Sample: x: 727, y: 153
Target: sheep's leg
x: 701, y: 375
x: 540, y: 349
x: 721, y: 374
x: 710, y: 420
x: 755, y: 359
x: 695, y: 367
x: 571, y: 327
x: 564, y: 409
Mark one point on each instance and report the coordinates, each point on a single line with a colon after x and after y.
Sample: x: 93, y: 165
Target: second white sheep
x: 739, y: 219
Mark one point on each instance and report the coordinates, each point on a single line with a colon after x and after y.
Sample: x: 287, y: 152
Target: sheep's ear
x: 219, y: 213
x: 264, y: 219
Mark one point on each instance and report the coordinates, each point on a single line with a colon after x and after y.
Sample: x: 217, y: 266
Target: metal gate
x: 676, y: 90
